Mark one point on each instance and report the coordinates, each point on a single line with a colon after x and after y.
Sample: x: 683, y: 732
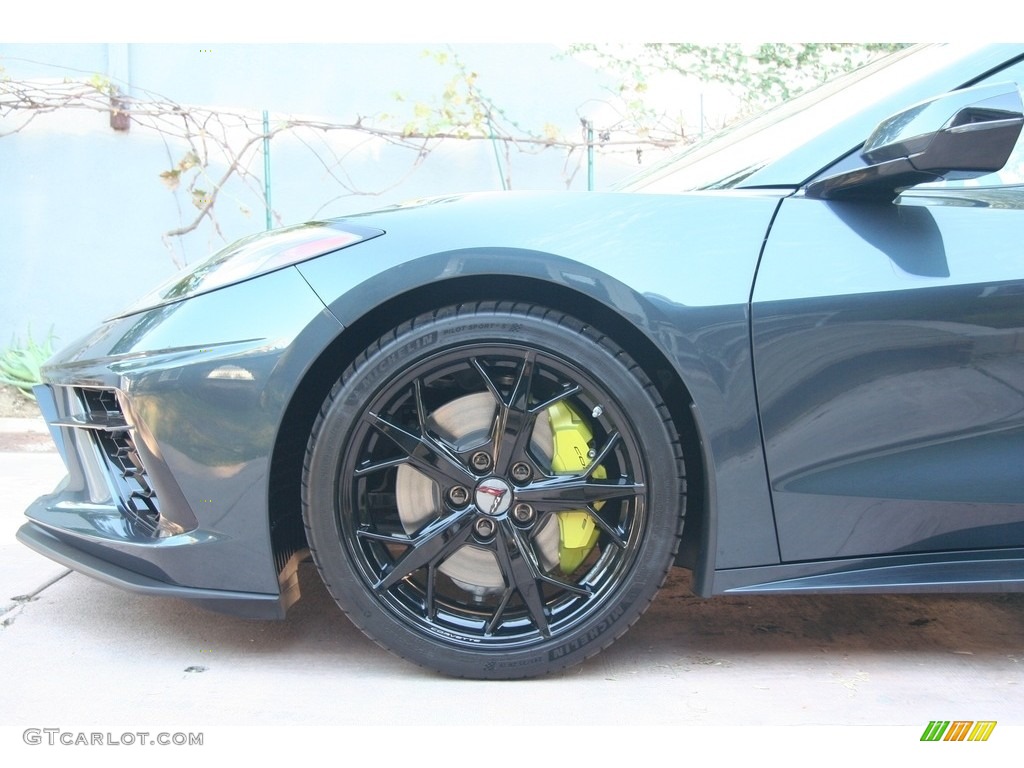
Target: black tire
x: 465, y: 581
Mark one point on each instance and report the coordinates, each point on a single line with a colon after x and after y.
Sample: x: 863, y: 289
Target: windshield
x: 735, y: 156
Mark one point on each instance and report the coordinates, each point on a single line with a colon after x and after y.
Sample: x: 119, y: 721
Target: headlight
x: 255, y: 255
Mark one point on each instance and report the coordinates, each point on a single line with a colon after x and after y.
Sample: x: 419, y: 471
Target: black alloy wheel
x: 493, y: 491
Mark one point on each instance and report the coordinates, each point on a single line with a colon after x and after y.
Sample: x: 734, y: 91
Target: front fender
x: 678, y: 268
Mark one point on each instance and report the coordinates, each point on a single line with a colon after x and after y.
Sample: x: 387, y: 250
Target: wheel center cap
x: 493, y: 496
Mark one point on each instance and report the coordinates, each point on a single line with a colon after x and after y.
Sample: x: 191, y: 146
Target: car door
x: 888, y: 345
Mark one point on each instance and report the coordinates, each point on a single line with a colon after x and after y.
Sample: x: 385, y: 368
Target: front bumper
x: 120, y: 516
x: 167, y: 423
x: 247, y: 604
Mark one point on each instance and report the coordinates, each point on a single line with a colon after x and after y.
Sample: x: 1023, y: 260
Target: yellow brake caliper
x: 576, y: 528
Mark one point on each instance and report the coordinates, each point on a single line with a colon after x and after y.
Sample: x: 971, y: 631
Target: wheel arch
x: 284, y: 491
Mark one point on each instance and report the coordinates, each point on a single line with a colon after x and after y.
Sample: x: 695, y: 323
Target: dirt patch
x: 21, y: 436
x: 26, y: 442
x: 16, y: 405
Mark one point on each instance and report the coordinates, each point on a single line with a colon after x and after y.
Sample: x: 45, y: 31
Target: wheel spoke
x: 525, y: 579
x: 514, y: 418
x: 495, y: 621
x: 387, y: 538
x: 567, y: 586
x: 428, y: 548
x: 569, y: 391
x: 606, y: 449
x: 515, y: 556
x: 430, y: 608
x: 575, y: 589
x: 578, y: 491
x: 567, y: 492
x: 423, y: 452
x: 369, y: 467
x: 613, y: 533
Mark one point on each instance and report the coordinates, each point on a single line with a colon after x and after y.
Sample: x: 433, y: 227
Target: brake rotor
x: 466, y: 423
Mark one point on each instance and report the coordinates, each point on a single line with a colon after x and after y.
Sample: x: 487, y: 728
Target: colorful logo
x: 958, y: 730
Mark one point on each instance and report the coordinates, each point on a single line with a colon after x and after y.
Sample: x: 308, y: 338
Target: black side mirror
x: 960, y: 135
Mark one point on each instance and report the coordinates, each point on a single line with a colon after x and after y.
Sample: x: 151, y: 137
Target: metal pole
x: 497, y: 157
x: 590, y: 155
x: 266, y: 166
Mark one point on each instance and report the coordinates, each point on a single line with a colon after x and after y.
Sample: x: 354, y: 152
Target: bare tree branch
x: 230, y: 139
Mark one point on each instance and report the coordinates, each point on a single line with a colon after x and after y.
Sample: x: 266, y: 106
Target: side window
x: 1013, y: 172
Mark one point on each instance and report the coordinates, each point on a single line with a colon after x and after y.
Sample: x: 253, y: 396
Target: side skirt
x: 998, y: 570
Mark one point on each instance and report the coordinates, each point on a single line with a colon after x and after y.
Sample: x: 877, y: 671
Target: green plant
x: 20, y: 364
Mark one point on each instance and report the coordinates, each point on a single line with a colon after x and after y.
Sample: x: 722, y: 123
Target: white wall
x: 84, y: 208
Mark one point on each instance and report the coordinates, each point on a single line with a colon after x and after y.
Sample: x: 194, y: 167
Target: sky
x: 521, y: 21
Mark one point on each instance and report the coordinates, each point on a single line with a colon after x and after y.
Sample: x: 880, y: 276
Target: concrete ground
x: 75, y: 651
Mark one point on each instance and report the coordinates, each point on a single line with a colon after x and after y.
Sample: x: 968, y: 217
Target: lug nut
x: 481, y: 461
x: 523, y: 513
x: 458, y: 496
x: 521, y: 472
x: 484, y: 527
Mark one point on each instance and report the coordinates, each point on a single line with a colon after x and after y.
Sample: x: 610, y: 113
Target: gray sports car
x: 790, y: 359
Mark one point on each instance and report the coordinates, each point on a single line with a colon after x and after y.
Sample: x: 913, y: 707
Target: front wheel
x: 493, y: 492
